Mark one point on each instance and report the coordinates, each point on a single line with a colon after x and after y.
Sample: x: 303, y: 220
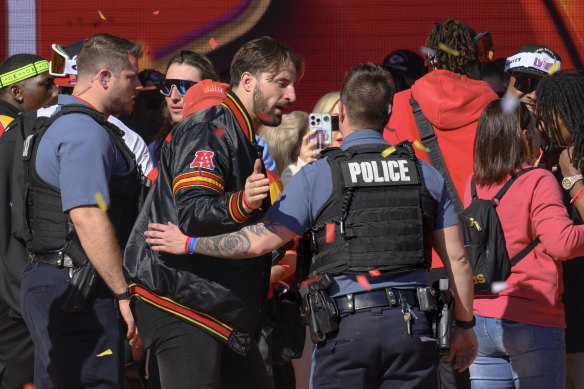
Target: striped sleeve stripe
x: 236, y: 207
x: 202, y: 320
x: 200, y: 178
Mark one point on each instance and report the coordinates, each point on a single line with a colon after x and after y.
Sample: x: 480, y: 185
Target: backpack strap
x: 428, y: 139
x: 495, y: 201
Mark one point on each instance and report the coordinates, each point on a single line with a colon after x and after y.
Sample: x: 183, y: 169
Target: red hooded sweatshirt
x: 453, y: 104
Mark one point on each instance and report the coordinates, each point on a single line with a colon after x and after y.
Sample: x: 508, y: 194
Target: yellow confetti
x: 554, y: 68
x: 449, y: 50
x: 387, y: 151
x: 420, y: 146
x: 106, y: 352
x: 100, y: 201
x: 101, y: 15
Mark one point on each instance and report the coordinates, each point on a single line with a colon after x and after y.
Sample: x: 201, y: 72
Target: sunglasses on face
x: 525, y: 84
x: 182, y: 86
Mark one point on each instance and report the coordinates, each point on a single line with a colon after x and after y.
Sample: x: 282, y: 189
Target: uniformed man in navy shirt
x: 374, y: 212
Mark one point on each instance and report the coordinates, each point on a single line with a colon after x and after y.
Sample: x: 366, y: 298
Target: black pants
x: 190, y: 358
x: 372, y: 349
x: 16, y: 350
x: 73, y: 350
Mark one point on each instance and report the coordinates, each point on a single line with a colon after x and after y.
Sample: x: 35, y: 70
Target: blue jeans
x: 518, y: 355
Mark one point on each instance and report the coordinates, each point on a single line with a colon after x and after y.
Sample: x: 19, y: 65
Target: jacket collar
x: 8, y: 109
x: 233, y: 104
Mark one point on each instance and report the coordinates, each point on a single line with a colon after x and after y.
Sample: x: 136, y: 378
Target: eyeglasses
x: 484, y: 46
x: 61, y: 63
x: 525, y: 83
x: 181, y: 86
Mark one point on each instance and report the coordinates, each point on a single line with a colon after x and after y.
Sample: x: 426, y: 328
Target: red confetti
x: 284, y: 265
x: 310, y: 280
x: 263, y: 117
x: 362, y: 280
x: 212, y: 43
x: 330, y: 233
x: 219, y: 132
x: 156, y: 12
x: 374, y: 273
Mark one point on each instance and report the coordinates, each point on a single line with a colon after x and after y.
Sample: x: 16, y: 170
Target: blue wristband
x: 192, y: 245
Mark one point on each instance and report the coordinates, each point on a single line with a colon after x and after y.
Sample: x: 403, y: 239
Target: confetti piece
x: 212, y: 43
x: 428, y: 51
x: 284, y: 265
x: 101, y: 15
x: 554, y: 68
x: 387, y: 151
x: 145, y: 88
x: 100, y: 201
x: 509, y: 104
x: 310, y: 280
x: 374, y: 273
x: 356, y: 107
x: 330, y: 233
x: 497, y: 287
x: 420, y: 146
x: 362, y: 280
x: 219, y: 132
x: 447, y: 49
x: 106, y: 352
x: 157, y: 12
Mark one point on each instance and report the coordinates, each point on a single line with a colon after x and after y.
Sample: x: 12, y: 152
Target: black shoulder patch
x: 372, y: 171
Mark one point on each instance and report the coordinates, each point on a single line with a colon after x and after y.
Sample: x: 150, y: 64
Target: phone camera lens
x: 326, y: 119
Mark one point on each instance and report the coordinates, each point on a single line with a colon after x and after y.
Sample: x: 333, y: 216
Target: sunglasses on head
x: 182, y: 86
x: 484, y: 46
x: 61, y: 63
x: 525, y: 83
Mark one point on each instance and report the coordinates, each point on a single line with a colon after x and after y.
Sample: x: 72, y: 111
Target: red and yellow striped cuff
x: 202, y: 320
x: 198, y: 178
x: 236, y: 209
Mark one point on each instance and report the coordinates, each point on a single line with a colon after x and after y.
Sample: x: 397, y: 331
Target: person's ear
x: 247, y: 82
x: 15, y: 90
x: 342, y: 112
x: 104, y: 76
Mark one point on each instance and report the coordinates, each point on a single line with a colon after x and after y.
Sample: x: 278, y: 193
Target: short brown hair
x: 195, y: 60
x: 499, y: 148
x: 106, y: 51
x: 366, y: 94
x: 264, y: 55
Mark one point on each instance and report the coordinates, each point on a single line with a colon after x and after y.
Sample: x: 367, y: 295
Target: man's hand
x: 166, y: 238
x: 463, y: 348
x: 132, y: 334
x: 257, y: 188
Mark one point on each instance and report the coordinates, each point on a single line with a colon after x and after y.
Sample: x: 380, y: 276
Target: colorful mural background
x: 331, y: 36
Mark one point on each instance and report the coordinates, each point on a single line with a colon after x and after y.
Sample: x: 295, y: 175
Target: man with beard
x: 200, y: 315
x: 78, y: 165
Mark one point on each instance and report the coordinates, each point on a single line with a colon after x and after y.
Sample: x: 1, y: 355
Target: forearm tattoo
x: 236, y: 244
x: 233, y: 245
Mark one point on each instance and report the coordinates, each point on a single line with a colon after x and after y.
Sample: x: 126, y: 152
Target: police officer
x: 374, y: 212
x: 77, y: 163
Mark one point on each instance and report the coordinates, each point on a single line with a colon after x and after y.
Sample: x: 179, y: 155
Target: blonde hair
x: 327, y: 103
x: 282, y: 140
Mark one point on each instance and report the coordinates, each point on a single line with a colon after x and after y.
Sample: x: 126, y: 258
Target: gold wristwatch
x: 568, y: 182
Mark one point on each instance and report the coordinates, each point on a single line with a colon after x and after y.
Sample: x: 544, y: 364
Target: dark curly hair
x: 560, y: 97
x: 457, y: 36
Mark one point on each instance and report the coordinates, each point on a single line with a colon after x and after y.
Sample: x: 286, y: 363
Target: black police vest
x: 380, y: 210
x: 49, y: 227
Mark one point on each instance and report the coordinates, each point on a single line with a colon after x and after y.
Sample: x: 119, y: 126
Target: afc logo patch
x: 203, y: 159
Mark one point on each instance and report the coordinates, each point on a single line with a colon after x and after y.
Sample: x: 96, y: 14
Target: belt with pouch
x: 56, y: 259
x: 377, y: 298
